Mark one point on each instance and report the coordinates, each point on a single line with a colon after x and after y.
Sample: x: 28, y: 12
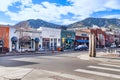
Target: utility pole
x: 92, y: 45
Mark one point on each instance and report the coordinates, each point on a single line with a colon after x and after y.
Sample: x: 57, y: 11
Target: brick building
x: 4, y: 38
x: 82, y: 35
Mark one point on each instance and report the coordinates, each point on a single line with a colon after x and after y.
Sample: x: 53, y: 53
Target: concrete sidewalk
x: 101, y: 56
x: 13, y: 73
x: 28, y: 53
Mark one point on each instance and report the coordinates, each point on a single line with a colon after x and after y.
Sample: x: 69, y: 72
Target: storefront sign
x: 51, y: 35
x: 63, y: 40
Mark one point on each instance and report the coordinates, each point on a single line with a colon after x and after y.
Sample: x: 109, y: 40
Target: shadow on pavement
x: 14, y: 63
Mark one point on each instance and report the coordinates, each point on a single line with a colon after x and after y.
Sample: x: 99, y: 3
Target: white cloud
x: 113, y: 4
x: 51, y: 12
x: 6, y: 23
x: 37, y: 11
x: 67, y: 21
x: 5, y: 3
x: 112, y: 16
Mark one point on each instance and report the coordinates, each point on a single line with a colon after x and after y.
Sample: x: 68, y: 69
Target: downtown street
x: 58, y: 66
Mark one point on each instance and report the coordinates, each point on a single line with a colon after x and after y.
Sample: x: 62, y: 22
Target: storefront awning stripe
x: 83, y: 41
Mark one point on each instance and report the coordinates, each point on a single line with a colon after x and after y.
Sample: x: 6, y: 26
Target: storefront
x: 4, y: 38
x: 81, y: 40
x: 67, y: 39
x: 1, y: 45
x: 50, y: 38
x: 24, y: 39
x: 82, y: 36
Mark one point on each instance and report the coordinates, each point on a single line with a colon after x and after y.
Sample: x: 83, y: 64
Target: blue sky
x: 61, y: 12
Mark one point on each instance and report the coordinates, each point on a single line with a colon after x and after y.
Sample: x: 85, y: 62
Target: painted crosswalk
x: 110, y: 65
x: 104, y: 68
x: 69, y: 76
x: 98, y: 73
x: 101, y: 66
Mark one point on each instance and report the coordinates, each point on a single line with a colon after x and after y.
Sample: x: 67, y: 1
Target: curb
x: 31, y: 53
x: 99, y: 58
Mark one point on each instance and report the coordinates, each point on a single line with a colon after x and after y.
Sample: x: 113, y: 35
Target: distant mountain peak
x: 100, y: 22
x: 88, y: 22
x: 36, y: 23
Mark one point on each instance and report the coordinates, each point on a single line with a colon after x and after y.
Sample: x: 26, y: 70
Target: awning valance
x: 83, y: 41
x: 37, y: 39
x: 14, y: 39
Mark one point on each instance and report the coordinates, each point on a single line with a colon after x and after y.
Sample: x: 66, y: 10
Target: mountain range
x: 100, y: 22
x: 36, y: 24
x: 88, y: 22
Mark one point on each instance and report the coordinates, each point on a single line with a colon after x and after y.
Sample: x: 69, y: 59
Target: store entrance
x: 1, y: 45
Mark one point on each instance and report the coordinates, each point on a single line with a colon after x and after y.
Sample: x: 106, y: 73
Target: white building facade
x: 12, y: 33
x: 50, y: 38
x: 24, y: 39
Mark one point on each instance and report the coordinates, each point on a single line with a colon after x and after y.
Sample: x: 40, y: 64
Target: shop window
x: 46, y: 43
x: 83, y: 34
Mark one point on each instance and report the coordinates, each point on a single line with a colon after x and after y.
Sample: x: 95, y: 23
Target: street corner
x: 38, y: 74
x: 107, y: 58
x: 1, y: 78
x: 13, y: 73
x: 84, y: 57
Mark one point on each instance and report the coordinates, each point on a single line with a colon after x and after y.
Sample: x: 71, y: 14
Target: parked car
x: 81, y: 47
x: 119, y: 46
x: 113, y: 45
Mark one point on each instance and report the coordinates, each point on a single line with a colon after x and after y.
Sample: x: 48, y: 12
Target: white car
x: 81, y: 47
x: 113, y: 45
x: 119, y: 46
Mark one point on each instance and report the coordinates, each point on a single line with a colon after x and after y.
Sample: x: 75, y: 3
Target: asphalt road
x: 66, y: 63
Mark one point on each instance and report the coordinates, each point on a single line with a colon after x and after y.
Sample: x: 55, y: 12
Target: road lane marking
x: 111, y: 65
x: 74, y: 77
x: 105, y: 68
x: 98, y: 73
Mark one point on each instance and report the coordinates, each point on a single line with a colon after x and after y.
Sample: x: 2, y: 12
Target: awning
x: 14, y: 39
x: 83, y: 41
x: 37, y: 39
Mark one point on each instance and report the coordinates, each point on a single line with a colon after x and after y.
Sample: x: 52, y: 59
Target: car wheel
x: 80, y: 49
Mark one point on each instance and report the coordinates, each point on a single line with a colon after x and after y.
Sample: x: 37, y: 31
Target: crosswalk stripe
x: 73, y: 77
x: 111, y: 65
x: 104, y: 68
x: 98, y: 73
